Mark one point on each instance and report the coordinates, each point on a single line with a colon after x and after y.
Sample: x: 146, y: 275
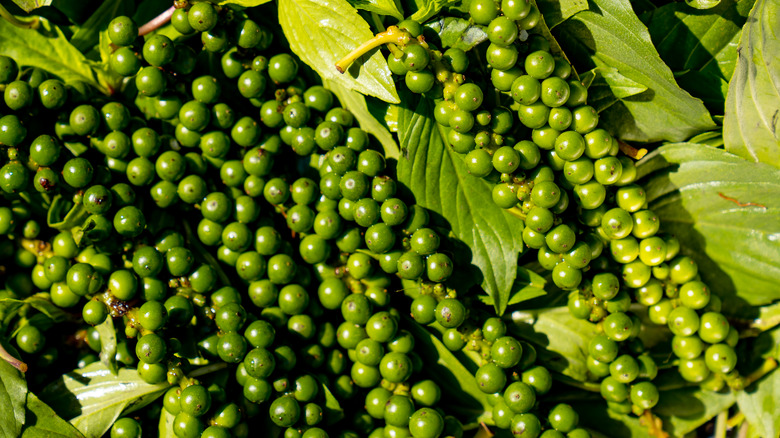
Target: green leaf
x: 702, y: 4
x: 321, y: 34
x: 93, y: 398
x: 29, y: 5
x: 701, y: 45
x: 759, y: 404
x: 42, y: 422
x: 458, y: 33
x: 528, y: 285
x: 332, y: 410
x: 87, y: 36
x: 42, y: 303
x: 13, y: 393
x: 751, y: 128
x: 243, y: 3
x: 356, y: 104
x: 381, y: 7
x: 684, y: 410
x: 428, y: 8
x: 165, y: 426
x: 690, y: 39
x: 621, y: 86
x: 726, y: 212
x: 440, y: 182
x: 108, y: 344
x: 448, y: 370
x: 48, y: 48
x: 562, y: 338
x: 609, y: 35
x: 556, y: 12
x: 680, y: 410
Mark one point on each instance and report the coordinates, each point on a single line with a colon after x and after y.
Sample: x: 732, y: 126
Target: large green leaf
x: 609, y: 35
x: 751, y: 127
x: 690, y: 39
x: 700, y: 46
x: 29, y: 5
x: 93, y: 398
x: 562, y: 338
x: 440, y: 182
x: 381, y: 7
x: 759, y: 404
x: 356, y: 104
x: 13, y: 394
x: 49, y: 49
x: 322, y: 33
x: 42, y: 422
x: 681, y: 411
x: 726, y: 212
x: 556, y: 12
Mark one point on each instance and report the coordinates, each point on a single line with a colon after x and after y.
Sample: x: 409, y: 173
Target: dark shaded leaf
x: 381, y: 7
x: 759, y: 404
x: 42, y: 422
x: 609, y: 35
x: 48, y: 48
x: 13, y: 395
x: 440, y: 182
x: 88, y: 34
x: 700, y: 45
x: 93, y: 398
x: 450, y: 371
x: 726, y: 212
x: 458, y: 33
x: 322, y: 33
x: 751, y: 128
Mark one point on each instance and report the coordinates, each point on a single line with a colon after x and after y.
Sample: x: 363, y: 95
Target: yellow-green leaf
x: 381, y: 7
x: 321, y: 33
x: 48, y: 48
x: 356, y: 104
x: 244, y: 3
x: 751, y: 128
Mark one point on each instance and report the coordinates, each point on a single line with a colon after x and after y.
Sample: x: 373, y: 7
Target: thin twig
x: 16, y: 363
x: 156, y: 22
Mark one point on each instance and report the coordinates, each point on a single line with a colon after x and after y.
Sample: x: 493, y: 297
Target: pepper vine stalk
x: 35, y: 23
x: 393, y: 35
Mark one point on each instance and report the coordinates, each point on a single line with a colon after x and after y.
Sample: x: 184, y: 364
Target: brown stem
x: 16, y: 363
x: 632, y: 152
x: 156, y: 22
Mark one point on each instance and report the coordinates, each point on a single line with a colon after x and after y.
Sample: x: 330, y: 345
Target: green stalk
x: 32, y: 24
